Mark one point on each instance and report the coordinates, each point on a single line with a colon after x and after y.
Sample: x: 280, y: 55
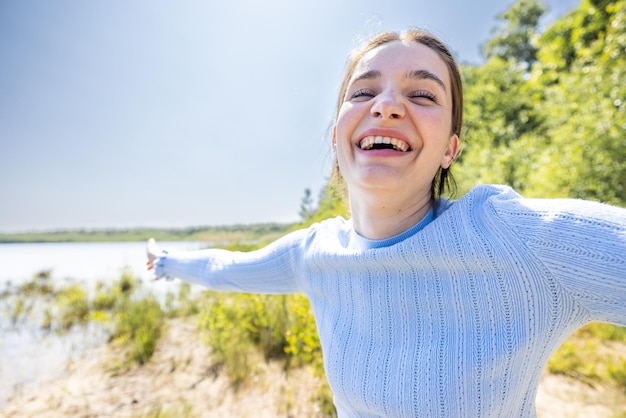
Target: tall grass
x: 73, y: 306
x: 138, y: 325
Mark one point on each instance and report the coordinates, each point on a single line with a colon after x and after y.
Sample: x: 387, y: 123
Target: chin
x: 382, y: 181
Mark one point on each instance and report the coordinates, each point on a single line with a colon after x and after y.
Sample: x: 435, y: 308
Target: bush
x: 240, y: 326
x: 604, y: 331
x: 73, y: 305
x: 304, y: 348
x: 617, y: 373
x: 581, y: 356
x: 237, y: 326
x: 138, y: 324
x: 104, y: 299
x: 127, y: 283
x: 303, y: 344
x: 20, y: 309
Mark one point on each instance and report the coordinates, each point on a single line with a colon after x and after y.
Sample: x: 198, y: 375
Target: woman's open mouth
x: 383, y: 142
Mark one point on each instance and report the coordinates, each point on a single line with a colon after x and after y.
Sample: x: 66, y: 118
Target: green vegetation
x: 582, y: 356
x: 214, y: 234
x: 135, y: 323
x: 546, y: 113
x: 138, y: 326
x: 73, y: 306
x: 240, y: 327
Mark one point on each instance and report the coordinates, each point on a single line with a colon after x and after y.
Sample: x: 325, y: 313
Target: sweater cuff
x: 160, y: 266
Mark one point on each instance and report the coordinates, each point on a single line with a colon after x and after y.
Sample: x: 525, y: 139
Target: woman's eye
x: 362, y: 94
x: 424, y: 95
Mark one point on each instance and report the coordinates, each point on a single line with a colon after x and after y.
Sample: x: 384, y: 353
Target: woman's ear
x: 451, y: 151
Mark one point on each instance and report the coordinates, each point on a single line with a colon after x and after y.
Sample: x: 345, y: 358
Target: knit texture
x: 456, y: 318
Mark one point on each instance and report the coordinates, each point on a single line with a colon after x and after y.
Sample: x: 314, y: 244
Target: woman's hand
x: 153, y: 253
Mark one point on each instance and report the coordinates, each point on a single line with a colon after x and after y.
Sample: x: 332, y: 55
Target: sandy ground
x: 182, y: 381
x: 180, y: 377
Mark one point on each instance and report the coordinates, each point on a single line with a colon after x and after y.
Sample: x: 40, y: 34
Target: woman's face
x: 393, y: 130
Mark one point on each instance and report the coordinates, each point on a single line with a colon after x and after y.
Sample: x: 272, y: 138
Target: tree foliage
x: 558, y: 126
x: 515, y: 38
x: 306, y: 206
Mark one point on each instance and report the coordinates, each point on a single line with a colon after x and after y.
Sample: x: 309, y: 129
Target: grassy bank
x: 214, y: 234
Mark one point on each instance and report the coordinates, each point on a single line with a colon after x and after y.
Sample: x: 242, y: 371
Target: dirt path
x: 181, y: 381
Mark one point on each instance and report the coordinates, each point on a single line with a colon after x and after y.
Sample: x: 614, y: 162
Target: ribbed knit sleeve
x: 582, y: 244
x: 274, y: 269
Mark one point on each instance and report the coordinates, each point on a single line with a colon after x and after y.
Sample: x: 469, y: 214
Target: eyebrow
x: 368, y: 75
x: 426, y: 75
x: 414, y: 74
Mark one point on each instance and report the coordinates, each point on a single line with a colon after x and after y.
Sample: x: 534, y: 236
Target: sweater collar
x: 357, y: 242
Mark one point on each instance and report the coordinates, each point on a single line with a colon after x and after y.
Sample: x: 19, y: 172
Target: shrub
x: 19, y: 309
x: 303, y: 344
x: 39, y: 285
x: 73, y: 305
x: 304, y: 348
x: 604, y: 331
x: 139, y: 324
x: 104, y: 299
x: 617, y: 373
x: 237, y: 325
x: 226, y: 336
x: 127, y: 284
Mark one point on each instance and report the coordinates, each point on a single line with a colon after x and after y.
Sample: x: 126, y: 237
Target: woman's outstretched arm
x: 274, y: 269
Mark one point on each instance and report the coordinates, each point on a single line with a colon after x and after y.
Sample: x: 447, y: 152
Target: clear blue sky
x: 172, y: 114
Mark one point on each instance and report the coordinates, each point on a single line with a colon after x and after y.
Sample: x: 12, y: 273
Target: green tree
x: 576, y: 35
x: 501, y: 115
x: 514, y: 39
x: 585, y: 113
x: 306, y: 206
x: 557, y: 128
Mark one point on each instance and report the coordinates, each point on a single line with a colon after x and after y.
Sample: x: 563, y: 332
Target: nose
x: 387, y: 106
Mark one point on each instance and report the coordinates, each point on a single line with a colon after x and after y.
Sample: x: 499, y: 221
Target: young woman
x: 426, y: 306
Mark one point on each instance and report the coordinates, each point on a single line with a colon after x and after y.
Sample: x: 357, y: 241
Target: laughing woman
x: 427, y: 306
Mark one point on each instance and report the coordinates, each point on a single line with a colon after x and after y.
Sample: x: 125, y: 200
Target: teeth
x: 399, y: 145
x: 368, y: 142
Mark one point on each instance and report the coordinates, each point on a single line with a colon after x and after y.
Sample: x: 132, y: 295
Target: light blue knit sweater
x: 455, y: 317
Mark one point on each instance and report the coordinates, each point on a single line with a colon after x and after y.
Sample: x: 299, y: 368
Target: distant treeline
x: 211, y: 234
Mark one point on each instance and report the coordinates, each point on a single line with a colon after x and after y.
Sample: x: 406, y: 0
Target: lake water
x: 29, y: 356
x: 83, y: 262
